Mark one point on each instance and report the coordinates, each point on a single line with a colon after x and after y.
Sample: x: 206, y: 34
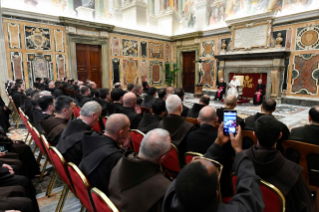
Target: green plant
x: 170, y: 74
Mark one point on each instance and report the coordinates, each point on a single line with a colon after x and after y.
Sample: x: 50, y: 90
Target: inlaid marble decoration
x: 208, y: 48
x: 143, y: 49
x: 305, y: 74
x: 129, y: 48
x: 59, y: 40
x: 156, y: 50
x: 307, y: 38
x: 167, y: 51
x: 130, y: 71
x: 17, y: 65
x: 37, y: 38
x: 144, y: 68
x: 116, y: 69
x: 39, y: 66
x: 156, y: 72
x: 14, y: 36
x: 207, y: 73
x: 115, y: 46
x: 289, y: 39
x: 60, y: 66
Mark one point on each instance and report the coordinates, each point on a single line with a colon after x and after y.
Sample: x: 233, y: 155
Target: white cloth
x: 232, y: 90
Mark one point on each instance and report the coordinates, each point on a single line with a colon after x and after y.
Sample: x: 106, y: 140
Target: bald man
x: 101, y: 152
x: 201, y: 139
x: 129, y: 104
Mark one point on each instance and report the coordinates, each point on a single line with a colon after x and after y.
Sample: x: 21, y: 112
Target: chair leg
x: 43, y: 169
x: 30, y: 141
x: 39, y: 157
x: 26, y: 138
x: 19, y: 121
x: 35, y: 148
x: 58, y: 207
x: 64, y: 198
x: 82, y: 209
x: 52, y: 183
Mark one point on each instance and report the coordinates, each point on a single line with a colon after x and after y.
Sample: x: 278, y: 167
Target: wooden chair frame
x: 192, y: 120
x: 249, y: 134
x: 107, y: 201
x: 277, y: 191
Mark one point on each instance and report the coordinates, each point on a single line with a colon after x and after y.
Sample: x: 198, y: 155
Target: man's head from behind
x: 314, y: 115
x: 129, y: 100
x: 152, y: 91
x: 117, y: 85
x: 117, y: 95
x: 118, y: 128
x: 162, y: 94
x: 91, y: 112
x: 180, y: 92
x: 196, y: 185
x: 64, y: 107
x: 85, y: 91
x: 159, y: 107
x: 51, y: 85
x: 267, y: 131
x: 204, y: 100
x: 19, y: 87
x: 174, y: 105
x: 46, y: 103
x: 58, y: 84
x: 155, y: 146
x: 130, y: 87
x: 230, y: 101
x: 138, y: 89
x: 207, y: 115
x: 268, y: 106
x: 105, y: 94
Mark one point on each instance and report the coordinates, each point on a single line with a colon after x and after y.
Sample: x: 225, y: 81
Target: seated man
x: 221, y: 86
x: 130, y: 87
x: 201, y: 139
x: 195, y: 188
x: 71, y: 140
x: 150, y: 98
x: 117, y: 97
x: 19, y: 95
x: 138, y: 90
x: 308, y: 134
x: 146, y: 177
x: 180, y: 92
x: 128, y: 109
x: 274, y: 168
x: 260, y: 92
x: 194, y: 111
x: 58, y: 89
x: 54, y: 126
x: 170, y: 90
x: 233, y: 86
x: 85, y: 96
x: 14, y: 199
x: 267, y: 108
x: 101, y: 152
x: 176, y: 125
x: 162, y: 94
x: 51, y: 87
x: 105, y: 99
x: 46, y: 104
x: 151, y: 121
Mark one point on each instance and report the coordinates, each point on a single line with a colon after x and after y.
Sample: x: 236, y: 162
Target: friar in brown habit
x: 145, y: 187
x: 14, y: 198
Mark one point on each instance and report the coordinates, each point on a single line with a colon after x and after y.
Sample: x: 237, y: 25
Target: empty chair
x: 102, y: 202
x: 137, y: 137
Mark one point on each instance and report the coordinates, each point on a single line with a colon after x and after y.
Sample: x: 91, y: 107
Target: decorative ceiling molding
x: 86, y: 24
x: 192, y: 35
x: 249, y: 19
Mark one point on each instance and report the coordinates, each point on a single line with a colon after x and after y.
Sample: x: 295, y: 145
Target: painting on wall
x: 307, y: 38
x: 14, y: 37
x: 115, y: 46
x: 208, y: 48
x: 143, y: 49
x: 130, y: 71
x: 215, y: 12
x: 167, y: 51
x: 143, y: 68
x: 60, y: 4
x: 59, y: 40
x: 60, y: 66
x: 156, y: 73
x: 37, y: 38
x: 17, y: 65
x: 305, y: 74
x: 39, y: 66
x: 156, y: 50
x: 116, y: 70
x: 189, y: 14
x: 129, y: 48
x: 206, y: 73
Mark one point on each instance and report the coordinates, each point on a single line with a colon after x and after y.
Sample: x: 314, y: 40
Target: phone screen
x: 230, y: 122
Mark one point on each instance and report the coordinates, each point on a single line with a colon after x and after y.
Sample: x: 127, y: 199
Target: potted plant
x: 170, y: 74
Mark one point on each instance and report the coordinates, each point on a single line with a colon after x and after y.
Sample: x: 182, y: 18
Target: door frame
x: 103, y: 42
x: 179, y: 52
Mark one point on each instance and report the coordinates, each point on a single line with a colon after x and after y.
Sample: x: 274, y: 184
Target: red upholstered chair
x: 25, y: 121
x: 76, y: 111
x: 274, y: 200
x: 189, y: 156
x: 15, y: 113
x: 105, y: 118
x: 30, y: 128
x: 81, y: 186
x: 102, y: 202
x: 171, y: 163
x: 137, y: 137
x: 97, y: 127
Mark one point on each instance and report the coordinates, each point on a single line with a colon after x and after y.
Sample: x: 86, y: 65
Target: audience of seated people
x: 4, y: 115
x: 149, y: 99
x: 84, y: 97
x: 180, y: 92
x: 194, y: 111
x: 138, y: 90
x: 162, y: 94
x: 46, y: 103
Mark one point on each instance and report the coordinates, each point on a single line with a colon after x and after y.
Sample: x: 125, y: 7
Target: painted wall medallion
x: 129, y: 48
x: 208, y: 48
x: 307, y: 38
x: 37, y: 38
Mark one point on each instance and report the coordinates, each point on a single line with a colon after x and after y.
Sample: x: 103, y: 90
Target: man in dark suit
x: 19, y: 96
x: 130, y: 87
x: 194, y: 111
x: 150, y: 98
x: 46, y: 104
x: 117, y: 97
x: 201, y: 139
x: 260, y: 92
x: 308, y: 134
x: 138, y: 90
x: 180, y: 92
x: 85, y: 96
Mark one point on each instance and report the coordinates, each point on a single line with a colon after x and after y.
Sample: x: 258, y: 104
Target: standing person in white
x: 234, y: 83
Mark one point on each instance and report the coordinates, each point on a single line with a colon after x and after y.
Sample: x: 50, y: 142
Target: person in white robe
x: 233, y: 85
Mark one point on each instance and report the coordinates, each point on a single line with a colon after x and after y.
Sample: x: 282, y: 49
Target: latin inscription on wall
x: 247, y: 37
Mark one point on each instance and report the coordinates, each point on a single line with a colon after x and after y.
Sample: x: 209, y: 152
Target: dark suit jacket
x: 148, y: 122
x: 194, y: 111
x: 113, y: 107
x: 18, y: 98
x: 132, y: 116
x: 148, y: 101
x: 185, y: 111
x: 201, y: 139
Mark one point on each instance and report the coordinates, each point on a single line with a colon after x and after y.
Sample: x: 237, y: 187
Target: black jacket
x: 132, y: 116
x: 201, y: 139
x: 148, y: 101
x: 148, y: 122
x: 185, y: 111
x: 18, y: 98
x: 194, y: 111
x: 113, y: 107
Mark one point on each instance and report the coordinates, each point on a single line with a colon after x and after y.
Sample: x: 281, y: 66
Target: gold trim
x: 278, y: 192
x: 174, y: 147
x: 108, y: 202
x: 194, y: 154
x: 137, y: 131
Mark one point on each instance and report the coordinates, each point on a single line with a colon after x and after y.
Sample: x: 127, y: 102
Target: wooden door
x: 88, y: 59
x: 189, y: 71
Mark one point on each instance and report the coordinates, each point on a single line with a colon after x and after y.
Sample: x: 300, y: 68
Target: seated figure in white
x: 233, y: 85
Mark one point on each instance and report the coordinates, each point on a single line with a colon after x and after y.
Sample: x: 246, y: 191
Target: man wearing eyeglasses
x: 196, y: 186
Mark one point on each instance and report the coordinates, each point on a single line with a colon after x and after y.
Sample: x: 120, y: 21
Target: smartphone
x: 230, y: 117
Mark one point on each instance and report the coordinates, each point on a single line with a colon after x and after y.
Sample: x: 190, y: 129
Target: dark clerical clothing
x: 148, y: 122
x: 18, y: 98
x: 139, y: 99
x: 53, y: 128
x: 113, y: 107
x: 250, y: 125
x: 201, y: 139
x: 143, y: 190
x: 57, y: 92
x: 71, y: 141
x: 83, y: 99
x: 132, y: 116
x: 100, y: 154
x: 103, y: 105
x: 15, y: 198
x: 4, y: 116
x: 194, y: 111
x: 185, y: 111
x: 221, y: 88
x: 258, y: 98
x: 220, y: 115
x: 148, y: 101
x: 307, y: 134
x: 178, y: 129
x: 248, y: 197
x: 271, y: 166
x: 145, y: 86
x: 37, y: 118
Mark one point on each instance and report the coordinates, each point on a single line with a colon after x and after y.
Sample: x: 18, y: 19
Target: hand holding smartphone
x: 230, y: 122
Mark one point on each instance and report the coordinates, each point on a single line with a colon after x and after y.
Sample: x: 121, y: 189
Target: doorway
x: 88, y: 59
x: 189, y: 71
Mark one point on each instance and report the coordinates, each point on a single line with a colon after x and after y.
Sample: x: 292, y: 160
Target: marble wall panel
x: 143, y: 49
x: 307, y: 38
x: 14, y: 36
x: 116, y: 69
x: 129, y: 48
x: 39, y: 66
x: 144, y: 68
x: 37, y: 38
x: 115, y: 46
x: 130, y: 71
x: 60, y: 66
x: 156, y: 50
x: 207, y: 73
x: 167, y: 51
x: 156, y: 73
x: 17, y: 65
x: 59, y: 40
x: 208, y: 48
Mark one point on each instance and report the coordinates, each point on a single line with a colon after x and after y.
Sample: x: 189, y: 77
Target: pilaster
x: 169, y: 20
x: 134, y: 14
x: 201, y: 14
x: 3, y: 62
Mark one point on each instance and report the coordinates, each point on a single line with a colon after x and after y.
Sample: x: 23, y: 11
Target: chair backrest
x: 97, y: 127
x: 172, y: 160
x: 274, y: 200
x: 14, y: 106
x: 189, y: 156
x: 105, y: 118
x: 192, y: 120
x: 76, y: 111
x: 29, y: 127
x: 102, y: 202
x: 137, y: 137
x: 46, y: 146
x: 36, y: 138
x: 81, y: 186
x: 304, y: 150
x: 145, y: 109
x: 249, y: 134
